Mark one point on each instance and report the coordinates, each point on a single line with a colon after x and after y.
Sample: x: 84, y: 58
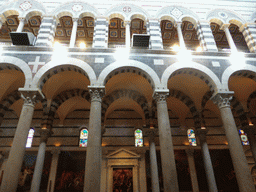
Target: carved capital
x: 201, y: 134
x: 190, y: 152
x: 45, y: 134
x: 222, y: 99
x: 75, y: 19
x: 96, y: 93
x: 31, y: 96
x: 225, y: 26
x: 127, y: 23
x: 22, y: 19
x: 161, y: 96
x: 56, y: 151
x: 151, y: 133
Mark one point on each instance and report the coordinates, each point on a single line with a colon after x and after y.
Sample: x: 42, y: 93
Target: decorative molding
x: 26, y: 5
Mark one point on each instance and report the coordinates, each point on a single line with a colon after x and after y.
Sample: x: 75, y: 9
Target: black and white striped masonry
x: 46, y: 33
x: 205, y: 37
x: 100, y: 36
x: 249, y: 32
x: 155, y: 34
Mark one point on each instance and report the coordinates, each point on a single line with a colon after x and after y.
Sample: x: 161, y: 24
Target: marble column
x: 229, y: 37
x: 36, y: 181
x: 192, y: 169
x: 180, y: 35
x: 14, y: 163
x: 170, y: 178
x: 127, y: 34
x: 21, y: 24
x: 73, y: 34
x: 53, y: 170
x: 94, y: 149
x: 243, y: 175
x: 250, y: 131
x: 153, y: 160
x: 207, y: 160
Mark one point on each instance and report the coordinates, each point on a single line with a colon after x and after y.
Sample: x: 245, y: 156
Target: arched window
x: 30, y: 138
x: 191, y: 137
x: 83, y: 138
x: 243, y: 136
x: 138, y: 138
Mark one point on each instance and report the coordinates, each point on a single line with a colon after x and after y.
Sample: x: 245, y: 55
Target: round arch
x: 19, y: 65
x: 76, y: 10
x: 127, y: 12
x: 48, y: 113
x: 149, y: 73
x: 223, y: 16
x: 70, y: 64
x: 212, y: 80
x: 245, y: 71
x: 178, y: 13
x: 134, y: 95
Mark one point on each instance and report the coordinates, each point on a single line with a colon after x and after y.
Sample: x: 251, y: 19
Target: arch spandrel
x: 76, y: 10
x: 222, y: 16
x: 21, y: 65
x: 23, y: 8
x: 211, y: 77
x: 127, y: 11
x: 150, y: 73
x: 77, y: 63
x: 178, y: 13
x: 232, y: 69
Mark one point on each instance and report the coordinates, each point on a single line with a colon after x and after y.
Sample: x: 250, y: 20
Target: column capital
x: 56, y: 151
x: 161, y: 95
x: 31, y: 96
x: 201, y: 134
x: 96, y: 93
x: 224, y: 26
x: 45, y: 134
x: 222, y: 99
x: 75, y: 19
x: 178, y: 24
x: 127, y: 22
x: 22, y: 18
x: 189, y: 151
x: 151, y: 132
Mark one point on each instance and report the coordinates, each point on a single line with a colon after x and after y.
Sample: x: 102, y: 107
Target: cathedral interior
x: 125, y: 96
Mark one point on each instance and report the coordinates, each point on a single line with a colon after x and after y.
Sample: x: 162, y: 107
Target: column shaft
x: 243, y: 175
x: 192, y: 168
x: 94, y: 150
x: 21, y: 25
x: 166, y: 146
x: 207, y: 160
x: 180, y: 36
x: 153, y: 166
x: 35, y: 186
x: 127, y: 34
x: 53, y: 171
x: 11, y: 176
x: 73, y: 34
x: 230, y: 39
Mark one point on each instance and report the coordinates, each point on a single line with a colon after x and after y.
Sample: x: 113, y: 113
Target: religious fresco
x: 122, y: 180
x: 27, y: 171
x: 70, y: 172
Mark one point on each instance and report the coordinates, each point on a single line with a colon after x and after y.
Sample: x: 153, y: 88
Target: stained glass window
x: 83, y: 138
x: 191, y: 137
x: 30, y: 138
x: 243, y: 136
x: 138, y: 138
